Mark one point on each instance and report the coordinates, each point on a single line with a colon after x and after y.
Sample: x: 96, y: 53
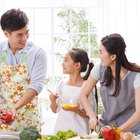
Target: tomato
x: 9, y: 116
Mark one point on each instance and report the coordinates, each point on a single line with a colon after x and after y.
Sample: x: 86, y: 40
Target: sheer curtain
x: 121, y: 16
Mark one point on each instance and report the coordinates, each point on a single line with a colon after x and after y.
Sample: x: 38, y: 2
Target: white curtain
x: 121, y: 16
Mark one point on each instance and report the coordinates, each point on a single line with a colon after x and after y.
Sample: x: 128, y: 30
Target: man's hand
x: 7, y: 116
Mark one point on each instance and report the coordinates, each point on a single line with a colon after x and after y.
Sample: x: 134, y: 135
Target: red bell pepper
x: 108, y: 134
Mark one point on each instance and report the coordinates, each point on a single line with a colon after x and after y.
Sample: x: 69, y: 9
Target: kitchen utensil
x: 52, y: 92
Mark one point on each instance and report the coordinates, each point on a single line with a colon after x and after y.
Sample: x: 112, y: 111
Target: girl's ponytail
x: 91, y: 65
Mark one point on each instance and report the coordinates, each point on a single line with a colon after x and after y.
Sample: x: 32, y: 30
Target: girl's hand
x: 53, y: 97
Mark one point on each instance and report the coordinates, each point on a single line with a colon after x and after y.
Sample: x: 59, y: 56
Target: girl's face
x: 68, y: 64
x: 105, y: 57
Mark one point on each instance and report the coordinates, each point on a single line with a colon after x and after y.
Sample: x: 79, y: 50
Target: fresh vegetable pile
x: 109, y: 133
x: 114, y: 133
x: 61, y: 135
x: 30, y: 133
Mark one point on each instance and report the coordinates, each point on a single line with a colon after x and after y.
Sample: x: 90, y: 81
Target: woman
x: 68, y: 91
x: 119, y: 87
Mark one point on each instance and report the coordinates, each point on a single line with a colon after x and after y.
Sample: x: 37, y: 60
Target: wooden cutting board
x: 92, y: 138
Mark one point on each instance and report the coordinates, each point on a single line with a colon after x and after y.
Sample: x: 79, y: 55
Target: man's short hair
x: 13, y: 19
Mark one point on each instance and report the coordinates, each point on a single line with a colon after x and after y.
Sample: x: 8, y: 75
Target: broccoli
x: 29, y: 133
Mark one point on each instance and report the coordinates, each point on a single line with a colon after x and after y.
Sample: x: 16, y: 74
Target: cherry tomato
x: 9, y: 116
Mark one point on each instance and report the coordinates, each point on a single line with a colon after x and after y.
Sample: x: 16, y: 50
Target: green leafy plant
x: 81, y: 31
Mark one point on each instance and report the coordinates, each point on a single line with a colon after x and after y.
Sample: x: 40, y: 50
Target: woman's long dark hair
x: 115, y: 44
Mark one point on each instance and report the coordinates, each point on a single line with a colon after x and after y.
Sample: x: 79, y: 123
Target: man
x: 22, y: 73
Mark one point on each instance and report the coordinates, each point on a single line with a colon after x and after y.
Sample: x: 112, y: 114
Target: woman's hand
x: 127, y: 136
x: 93, y: 123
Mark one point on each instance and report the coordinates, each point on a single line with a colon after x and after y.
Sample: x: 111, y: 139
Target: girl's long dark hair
x: 79, y: 55
x: 115, y: 44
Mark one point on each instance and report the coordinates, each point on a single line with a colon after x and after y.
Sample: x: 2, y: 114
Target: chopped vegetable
x: 68, y: 106
x: 50, y: 137
x: 61, y: 135
x: 29, y: 133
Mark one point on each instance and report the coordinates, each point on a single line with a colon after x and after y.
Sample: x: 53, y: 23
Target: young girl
x: 120, y: 87
x: 68, y: 91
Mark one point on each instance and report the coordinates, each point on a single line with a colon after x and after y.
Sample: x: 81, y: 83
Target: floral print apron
x: 13, y: 82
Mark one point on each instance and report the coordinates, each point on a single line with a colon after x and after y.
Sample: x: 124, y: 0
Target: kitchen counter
x: 90, y: 137
x: 6, y: 135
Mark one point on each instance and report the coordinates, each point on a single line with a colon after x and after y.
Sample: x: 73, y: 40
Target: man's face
x: 17, y: 39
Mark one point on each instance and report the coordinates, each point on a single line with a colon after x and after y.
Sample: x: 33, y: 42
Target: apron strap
x: 24, y: 56
x: 4, y: 54
x: 3, y: 58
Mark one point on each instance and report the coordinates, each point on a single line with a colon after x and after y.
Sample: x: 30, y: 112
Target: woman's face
x: 105, y: 57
